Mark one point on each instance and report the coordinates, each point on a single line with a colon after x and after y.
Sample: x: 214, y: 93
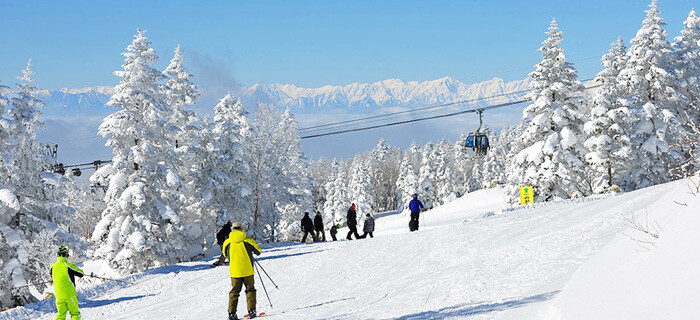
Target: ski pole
x: 108, y: 279
x: 32, y: 284
x: 268, y: 276
x: 263, y: 284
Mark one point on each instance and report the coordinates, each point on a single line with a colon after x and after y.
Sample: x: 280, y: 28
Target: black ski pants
x: 320, y: 233
x: 313, y: 236
x: 414, y: 216
x: 353, y: 230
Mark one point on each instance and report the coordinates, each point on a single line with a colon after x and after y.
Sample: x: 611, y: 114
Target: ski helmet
x: 62, y: 251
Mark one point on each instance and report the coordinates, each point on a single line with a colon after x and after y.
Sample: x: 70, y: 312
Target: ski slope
x: 474, y: 258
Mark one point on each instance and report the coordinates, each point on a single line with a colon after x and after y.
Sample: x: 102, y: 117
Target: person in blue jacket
x: 415, y: 206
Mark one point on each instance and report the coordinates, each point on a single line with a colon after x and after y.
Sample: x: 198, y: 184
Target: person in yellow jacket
x: 63, y: 274
x: 239, y: 248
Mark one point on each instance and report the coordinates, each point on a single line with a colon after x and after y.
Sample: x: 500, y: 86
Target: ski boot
x: 252, y: 314
x: 232, y: 316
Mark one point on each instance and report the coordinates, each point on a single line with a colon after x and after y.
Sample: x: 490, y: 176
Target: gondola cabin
x: 478, y: 142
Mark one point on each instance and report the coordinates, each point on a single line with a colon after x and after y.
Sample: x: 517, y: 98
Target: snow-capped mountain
x: 77, y: 102
x: 359, y: 97
x: 368, y: 96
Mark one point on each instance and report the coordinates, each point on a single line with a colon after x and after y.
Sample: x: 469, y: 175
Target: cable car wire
x: 425, y: 118
x: 417, y: 110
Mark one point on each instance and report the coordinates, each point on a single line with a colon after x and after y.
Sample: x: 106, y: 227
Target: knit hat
x: 237, y: 225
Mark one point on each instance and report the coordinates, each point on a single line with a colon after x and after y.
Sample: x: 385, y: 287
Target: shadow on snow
x: 100, y: 303
x: 477, y: 309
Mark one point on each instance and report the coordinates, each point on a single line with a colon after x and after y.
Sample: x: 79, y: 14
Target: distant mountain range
x: 356, y: 97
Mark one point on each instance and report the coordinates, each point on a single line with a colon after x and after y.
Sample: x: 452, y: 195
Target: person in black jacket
x: 318, y: 226
x: 334, y: 231
x: 352, y: 223
x: 307, y: 226
x: 221, y: 236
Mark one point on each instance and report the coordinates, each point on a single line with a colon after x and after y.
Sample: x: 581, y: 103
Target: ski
x: 259, y: 315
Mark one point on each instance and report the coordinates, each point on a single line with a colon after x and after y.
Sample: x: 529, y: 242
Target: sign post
x: 526, y: 195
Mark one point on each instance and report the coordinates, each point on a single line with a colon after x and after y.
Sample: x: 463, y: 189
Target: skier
x: 352, y: 223
x: 415, y: 205
x: 63, y: 274
x: 240, y: 248
x: 318, y: 226
x: 368, y: 228
x: 307, y: 226
x: 221, y: 236
x: 334, y: 231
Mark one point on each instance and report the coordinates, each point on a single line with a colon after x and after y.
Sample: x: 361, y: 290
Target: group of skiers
x: 316, y: 227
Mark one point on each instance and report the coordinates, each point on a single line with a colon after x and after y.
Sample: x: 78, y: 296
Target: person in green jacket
x: 239, y: 249
x: 63, y: 274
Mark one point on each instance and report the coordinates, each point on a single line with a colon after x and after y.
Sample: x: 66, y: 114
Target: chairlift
x: 477, y: 140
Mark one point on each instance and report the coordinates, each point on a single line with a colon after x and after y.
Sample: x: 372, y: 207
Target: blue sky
x: 313, y: 43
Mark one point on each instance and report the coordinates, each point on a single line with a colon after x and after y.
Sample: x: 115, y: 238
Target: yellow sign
x: 526, y: 195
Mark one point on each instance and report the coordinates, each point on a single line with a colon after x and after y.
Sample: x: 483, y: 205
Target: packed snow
x: 474, y: 258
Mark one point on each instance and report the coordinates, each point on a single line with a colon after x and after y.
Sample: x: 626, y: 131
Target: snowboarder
x: 307, y: 226
x: 63, y: 274
x: 334, y: 231
x: 240, y: 249
x: 368, y: 228
x: 416, y: 206
x: 318, y: 226
x: 221, y: 236
x: 352, y: 223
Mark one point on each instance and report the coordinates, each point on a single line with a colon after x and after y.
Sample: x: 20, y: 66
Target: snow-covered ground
x: 475, y: 258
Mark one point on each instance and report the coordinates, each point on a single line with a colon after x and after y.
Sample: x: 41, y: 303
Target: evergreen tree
x: 296, y: 197
x: 361, y: 190
x: 654, y: 95
x: 608, y: 142
x: 27, y: 151
x: 29, y: 197
x: 180, y: 92
x: 688, y: 47
x: 141, y: 226
x: 337, y: 198
x: 443, y: 175
x: 407, y: 183
x: 549, y: 153
x: 426, y: 177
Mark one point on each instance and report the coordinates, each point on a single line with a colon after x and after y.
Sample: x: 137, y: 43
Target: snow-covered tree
x: 548, y: 152
x: 495, y: 162
x: 444, y: 176
x: 407, y: 183
x: 688, y: 47
x: 606, y: 131
x: 280, y: 179
x: 655, y: 99
x: 141, y: 225
x: 179, y: 93
x: 27, y: 150
x: 321, y: 173
x: 427, y: 177
x: 337, y: 197
x: 296, y: 197
x: 361, y: 190
x: 30, y: 208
